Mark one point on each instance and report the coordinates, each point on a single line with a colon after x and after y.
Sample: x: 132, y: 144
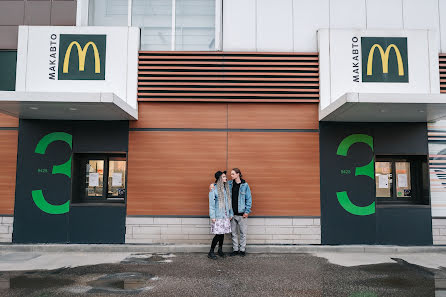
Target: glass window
x: 402, y: 179
x: 194, y: 25
x: 154, y: 17
x: 403, y: 184
x: 383, y: 178
x: 94, y: 178
x: 99, y: 177
x: 108, y: 13
x: 116, y: 177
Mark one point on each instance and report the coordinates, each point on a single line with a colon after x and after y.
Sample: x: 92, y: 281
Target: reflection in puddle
x: 125, y: 282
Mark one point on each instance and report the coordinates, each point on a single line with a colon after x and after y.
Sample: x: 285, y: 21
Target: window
x: 99, y: 178
x: 401, y: 179
x: 108, y: 13
x: 183, y: 25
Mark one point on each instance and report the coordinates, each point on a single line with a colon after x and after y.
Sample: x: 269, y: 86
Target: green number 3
x: 65, y: 169
x: 367, y: 170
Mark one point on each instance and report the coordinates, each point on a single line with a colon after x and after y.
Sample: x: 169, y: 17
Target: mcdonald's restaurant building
x: 116, y: 114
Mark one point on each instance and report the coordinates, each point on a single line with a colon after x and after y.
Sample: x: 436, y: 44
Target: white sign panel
x: 377, y: 61
x: 79, y: 59
x: 117, y: 179
x: 93, y: 179
x: 383, y: 181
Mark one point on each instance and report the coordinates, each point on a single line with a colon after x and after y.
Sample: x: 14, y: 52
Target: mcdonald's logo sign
x: 384, y: 59
x: 81, y: 57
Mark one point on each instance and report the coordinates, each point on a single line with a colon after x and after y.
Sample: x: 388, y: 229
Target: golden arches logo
x: 82, y: 52
x: 385, y: 59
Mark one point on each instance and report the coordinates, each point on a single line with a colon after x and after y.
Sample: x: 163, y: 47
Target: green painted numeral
x: 367, y: 170
x: 65, y: 169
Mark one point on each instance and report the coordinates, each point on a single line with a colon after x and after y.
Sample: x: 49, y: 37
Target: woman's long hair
x: 221, y: 186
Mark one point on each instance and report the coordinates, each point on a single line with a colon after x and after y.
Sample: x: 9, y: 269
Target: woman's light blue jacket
x: 215, y: 212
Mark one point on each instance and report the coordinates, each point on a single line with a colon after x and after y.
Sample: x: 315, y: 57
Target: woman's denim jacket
x: 216, y: 212
x: 244, y: 197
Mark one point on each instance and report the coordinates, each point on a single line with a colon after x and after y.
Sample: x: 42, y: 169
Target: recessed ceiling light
x: 72, y: 108
x: 421, y: 110
x: 383, y: 110
x: 34, y: 108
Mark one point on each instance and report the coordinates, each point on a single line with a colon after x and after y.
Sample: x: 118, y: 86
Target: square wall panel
x: 12, y: 13
x: 8, y: 37
x: 63, y: 13
x: 37, y: 13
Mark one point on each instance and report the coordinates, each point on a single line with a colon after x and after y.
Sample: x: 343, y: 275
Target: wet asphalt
x: 253, y: 275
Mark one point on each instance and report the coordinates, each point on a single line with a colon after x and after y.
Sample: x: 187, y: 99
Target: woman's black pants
x: 217, y: 238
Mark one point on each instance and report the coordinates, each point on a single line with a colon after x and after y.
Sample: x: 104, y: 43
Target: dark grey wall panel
x: 338, y: 226
x: 386, y: 225
x: 8, y: 62
x: 404, y: 226
x: 97, y: 224
x: 400, y: 138
x: 87, y: 224
x: 100, y: 136
x: 34, y: 172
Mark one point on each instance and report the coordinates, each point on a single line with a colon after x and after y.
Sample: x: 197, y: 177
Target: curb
x: 187, y: 248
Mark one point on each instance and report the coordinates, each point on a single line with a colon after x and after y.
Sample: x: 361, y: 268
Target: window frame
x: 416, y: 180
x: 79, y: 178
x: 82, y: 19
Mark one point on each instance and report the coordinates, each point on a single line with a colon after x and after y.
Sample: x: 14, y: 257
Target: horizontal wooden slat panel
x: 205, y: 78
x: 169, y: 172
x: 210, y: 99
x: 273, y: 116
x: 181, y: 115
x: 254, y: 76
x: 229, y: 84
x: 8, y: 155
x: 282, y: 170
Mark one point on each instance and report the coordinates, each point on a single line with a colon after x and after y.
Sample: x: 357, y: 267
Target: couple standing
x: 229, y: 206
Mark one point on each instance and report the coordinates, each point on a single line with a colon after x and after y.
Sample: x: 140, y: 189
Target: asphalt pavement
x: 331, y: 274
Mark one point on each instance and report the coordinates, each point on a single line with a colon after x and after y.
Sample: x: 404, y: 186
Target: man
x: 241, y: 205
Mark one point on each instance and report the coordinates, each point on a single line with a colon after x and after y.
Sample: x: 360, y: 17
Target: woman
x: 220, y: 212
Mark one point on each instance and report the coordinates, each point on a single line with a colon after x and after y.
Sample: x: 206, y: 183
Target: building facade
x: 116, y: 114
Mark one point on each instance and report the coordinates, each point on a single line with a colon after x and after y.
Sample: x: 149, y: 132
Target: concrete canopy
x: 377, y: 107
x: 66, y: 106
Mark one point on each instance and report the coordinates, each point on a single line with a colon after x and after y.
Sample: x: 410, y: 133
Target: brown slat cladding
x: 181, y: 115
x: 228, y: 77
x: 273, y: 116
x: 281, y: 167
x: 8, y: 121
x: 169, y: 172
x: 8, y: 155
x: 442, y: 63
x: 282, y: 170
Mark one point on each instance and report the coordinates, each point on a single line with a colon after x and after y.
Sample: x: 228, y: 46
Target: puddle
x: 35, y: 282
x: 125, y: 282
